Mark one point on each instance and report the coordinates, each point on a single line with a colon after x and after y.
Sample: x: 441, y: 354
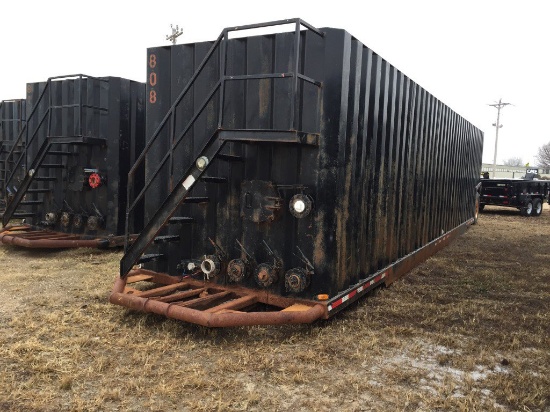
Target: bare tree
x: 514, y: 161
x: 543, y: 155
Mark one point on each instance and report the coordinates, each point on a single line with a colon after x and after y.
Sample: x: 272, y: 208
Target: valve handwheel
x: 94, y: 180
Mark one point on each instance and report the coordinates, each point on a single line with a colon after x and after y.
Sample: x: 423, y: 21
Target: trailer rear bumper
x: 209, y: 304
x: 26, y: 236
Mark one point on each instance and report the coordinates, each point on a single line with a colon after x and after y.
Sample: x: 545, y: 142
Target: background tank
x: 82, y: 136
x: 12, y: 120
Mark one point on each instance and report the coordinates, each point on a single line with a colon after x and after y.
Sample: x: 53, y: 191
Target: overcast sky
x: 467, y: 53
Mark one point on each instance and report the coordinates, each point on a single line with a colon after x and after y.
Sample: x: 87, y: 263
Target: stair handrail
x: 43, y: 146
x: 170, y: 115
x: 219, y: 85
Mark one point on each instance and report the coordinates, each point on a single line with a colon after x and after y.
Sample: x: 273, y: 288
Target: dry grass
x: 468, y: 330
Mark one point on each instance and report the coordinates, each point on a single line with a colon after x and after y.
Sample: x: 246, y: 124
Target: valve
x: 51, y: 218
x: 211, y: 266
x: 95, y: 180
x: 239, y: 269
x: 94, y: 222
x: 266, y: 274
x: 65, y: 219
x: 297, y: 280
x: 78, y: 221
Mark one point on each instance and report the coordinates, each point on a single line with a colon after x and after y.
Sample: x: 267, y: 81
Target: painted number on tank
x: 152, y: 61
x: 152, y: 78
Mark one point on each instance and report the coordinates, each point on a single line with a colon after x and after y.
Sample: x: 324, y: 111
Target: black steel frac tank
x: 81, y: 137
x: 333, y: 166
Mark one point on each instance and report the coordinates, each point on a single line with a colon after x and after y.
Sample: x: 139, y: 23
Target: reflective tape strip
x: 188, y: 182
x: 354, y: 292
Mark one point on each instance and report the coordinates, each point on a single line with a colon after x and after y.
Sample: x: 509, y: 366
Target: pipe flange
x: 65, y: 219
x: 237, y: 270
x: 266, y: 275
x: 94, y: 222
x: 78, y: 221
x: 300, y: 205
x: 297, y: 280
x: 51, y: 218
x: 211, y: 266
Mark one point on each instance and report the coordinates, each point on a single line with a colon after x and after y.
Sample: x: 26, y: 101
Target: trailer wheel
x: 537, y: 207
x: 527, y: 210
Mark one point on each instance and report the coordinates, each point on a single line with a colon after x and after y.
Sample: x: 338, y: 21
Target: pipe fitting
x: 266, y: 275
x: 211, y: 266
x: 297, y: 280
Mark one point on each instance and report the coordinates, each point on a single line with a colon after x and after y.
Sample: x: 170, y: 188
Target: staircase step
x: 230, y: 158
x: 22, y: 214
x: 39, y: 190
x: 52, y: 166
x: 31, y: 202
x: 150, y: 257
x: 45, y: 178
x: 60, y: 153
x: 180, y: 219
x: 197, y: 199
x: 214, y: 179
x: 167, y: 238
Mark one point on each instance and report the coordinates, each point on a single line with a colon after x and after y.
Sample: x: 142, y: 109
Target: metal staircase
x: 182, y: 180
x: 37, y: 149
x: 14, y: 124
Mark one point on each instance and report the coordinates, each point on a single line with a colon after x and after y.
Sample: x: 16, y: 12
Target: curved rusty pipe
x: 213, y: 320
x: 8, y: 237
x: 49, y: 243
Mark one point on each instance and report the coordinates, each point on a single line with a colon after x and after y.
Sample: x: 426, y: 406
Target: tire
x: 481, y: 207
x: 527, y: 210
x: 537, y: 207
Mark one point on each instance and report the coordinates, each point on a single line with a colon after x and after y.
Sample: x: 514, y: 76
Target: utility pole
x: 497, y: 125
x: 175, y: 34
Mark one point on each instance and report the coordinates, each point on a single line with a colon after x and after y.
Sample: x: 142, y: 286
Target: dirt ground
x: 467, y: 330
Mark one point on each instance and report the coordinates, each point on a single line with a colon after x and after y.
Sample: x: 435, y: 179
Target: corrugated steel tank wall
x: 395, y: 167
x: 12, y: 120
x: 112, y: 109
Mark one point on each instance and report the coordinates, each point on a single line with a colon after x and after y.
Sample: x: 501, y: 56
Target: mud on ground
x: 467, y: 330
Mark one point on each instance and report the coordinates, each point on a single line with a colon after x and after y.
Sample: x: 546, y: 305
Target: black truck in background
x: 527, y: 195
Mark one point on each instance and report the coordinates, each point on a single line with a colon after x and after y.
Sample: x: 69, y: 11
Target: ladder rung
x: 39, y: 190
x: 60, y: 153
x: 23, y: 214
x: 52, y: 166
x: 167, y: 238
x: 180, y: 219
x: 45, y: 178
x: 31, y: 202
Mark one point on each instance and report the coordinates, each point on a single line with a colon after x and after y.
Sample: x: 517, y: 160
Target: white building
x: 512, y: 172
